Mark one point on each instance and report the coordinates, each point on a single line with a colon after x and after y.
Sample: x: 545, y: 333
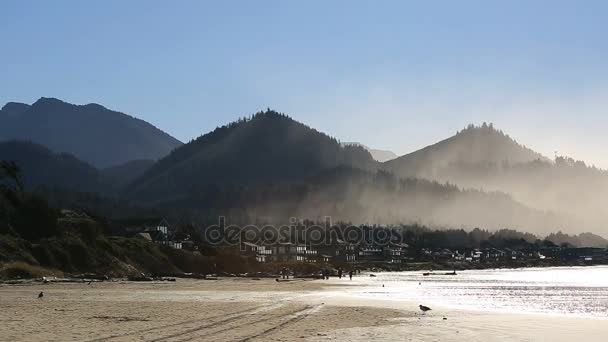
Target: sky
x: 395, y: 75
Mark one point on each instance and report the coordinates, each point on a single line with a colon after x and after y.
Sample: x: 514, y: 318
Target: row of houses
x: 565, y: 254
x: 338, y: 251
x: 341, y: 251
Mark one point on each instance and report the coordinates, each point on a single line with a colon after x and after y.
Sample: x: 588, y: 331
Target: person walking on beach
x: 350, y: 274
x: 340, y: 273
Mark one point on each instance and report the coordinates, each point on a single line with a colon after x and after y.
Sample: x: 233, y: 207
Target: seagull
x: 424, y: 308
x: 41, y: 294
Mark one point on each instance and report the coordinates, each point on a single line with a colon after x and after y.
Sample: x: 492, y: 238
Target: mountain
x: 378, y: 155
x: 91, y: 132
x: 269, y: 168
x: 123, y: 174
x: 485, y: 158
x: 42, y: 167
x: 472, y: 147
x: 269, y: 146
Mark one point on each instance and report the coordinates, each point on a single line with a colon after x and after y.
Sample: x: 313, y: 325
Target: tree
x: 34, y: 219
x: 10, y: 170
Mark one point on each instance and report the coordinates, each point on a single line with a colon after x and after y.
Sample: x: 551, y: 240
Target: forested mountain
x: 123, y: 174
x: 42, y: 167
x: 485, y: 158
x: 269, y: 167
x: 470, y: 148
x: 269, y: 146
x: 91, y: 132
x: 378, y: 155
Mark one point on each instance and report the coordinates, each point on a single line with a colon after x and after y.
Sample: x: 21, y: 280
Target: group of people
x: 285, y: 273
x: 325, y: 273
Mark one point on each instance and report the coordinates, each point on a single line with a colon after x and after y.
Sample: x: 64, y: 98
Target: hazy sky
x: 394, y: 75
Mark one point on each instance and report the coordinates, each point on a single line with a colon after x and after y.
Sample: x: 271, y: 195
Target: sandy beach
x: 234, y: 309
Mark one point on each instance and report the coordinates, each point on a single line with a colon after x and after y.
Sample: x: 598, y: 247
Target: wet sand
x: 254, y: 310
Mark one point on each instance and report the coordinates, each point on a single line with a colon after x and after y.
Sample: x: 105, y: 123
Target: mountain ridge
x: 267, y: 146
x: 91, y: 132
x: 474, y: 144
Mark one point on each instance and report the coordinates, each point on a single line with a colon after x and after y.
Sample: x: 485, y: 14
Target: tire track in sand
x: 292, y: 317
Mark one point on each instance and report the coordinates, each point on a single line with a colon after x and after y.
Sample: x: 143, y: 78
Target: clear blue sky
x: 395, y: 75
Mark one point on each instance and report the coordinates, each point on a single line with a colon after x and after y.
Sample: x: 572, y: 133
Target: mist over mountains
x: 269, y: 167
x: 485, y: 158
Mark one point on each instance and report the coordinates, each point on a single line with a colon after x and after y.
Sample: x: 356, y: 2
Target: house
x: 396, y: 253
x: 443, y: 254
x: 325, y: 258
x: 174, y: 244
x: 371, y: 253
x: 586, y: 254
x: 494, y: 254
x: 158, y: 230
x: 306, y: 254
x: 476, y: 255
x: 283, y: 252
x: 550, y: 253
x: 459, y: 256
x: 514, y: 254
x: 344, y: 251
x: 259, y: 252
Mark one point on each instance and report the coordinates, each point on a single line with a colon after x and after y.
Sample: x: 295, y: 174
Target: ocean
x: 570, y: 291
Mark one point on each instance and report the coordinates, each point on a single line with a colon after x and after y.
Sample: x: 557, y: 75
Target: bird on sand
x: 424, y: 308
x: 41, y: 294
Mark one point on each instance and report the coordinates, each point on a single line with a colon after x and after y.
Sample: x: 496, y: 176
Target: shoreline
x: 256, y: 310
x: 95, y: 277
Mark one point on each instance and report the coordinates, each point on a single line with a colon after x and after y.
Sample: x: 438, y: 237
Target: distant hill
x: 378, y: 155
x: 485, y: 158
x: 42, y: 167
x: 91, y: 132
x: 269, y: 146
x: 580, y: 240
x: 471, y: 147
